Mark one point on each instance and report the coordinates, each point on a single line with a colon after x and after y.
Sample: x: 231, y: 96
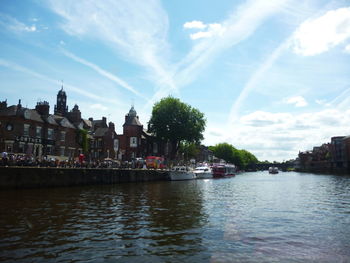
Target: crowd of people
x: 9, y: 159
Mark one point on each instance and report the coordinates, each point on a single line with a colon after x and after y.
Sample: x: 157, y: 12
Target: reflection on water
x: 253, y: 217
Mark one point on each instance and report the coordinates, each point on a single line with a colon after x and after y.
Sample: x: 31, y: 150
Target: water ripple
x: 253, y: 217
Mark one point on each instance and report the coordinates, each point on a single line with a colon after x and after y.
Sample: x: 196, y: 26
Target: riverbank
x: 331, y: 171
x: 42, y: 177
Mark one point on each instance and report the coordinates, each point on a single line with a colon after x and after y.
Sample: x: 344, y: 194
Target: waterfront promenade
x: 39, y: 177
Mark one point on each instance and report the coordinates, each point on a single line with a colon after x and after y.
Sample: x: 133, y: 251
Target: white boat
x: 178, y: 173
x: 203, y: 172
x: 273, y: 170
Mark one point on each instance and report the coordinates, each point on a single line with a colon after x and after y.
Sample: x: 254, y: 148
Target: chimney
x: 111, y: 126
x: 43, y: 108
x: 91, y: 119
x: 3, y: 105
x: 104, y: 121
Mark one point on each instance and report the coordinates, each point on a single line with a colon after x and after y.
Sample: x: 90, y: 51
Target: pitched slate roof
x: 26, y: 113
x: 131, y: 118
x: 87, y: 122
x: 100, y: 132
x: 63, y: 121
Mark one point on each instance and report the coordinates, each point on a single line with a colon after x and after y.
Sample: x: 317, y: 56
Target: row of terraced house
x: 37, y: 133
x: 333, y: 157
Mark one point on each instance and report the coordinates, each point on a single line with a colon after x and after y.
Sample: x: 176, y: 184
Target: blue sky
x: 272, y: 77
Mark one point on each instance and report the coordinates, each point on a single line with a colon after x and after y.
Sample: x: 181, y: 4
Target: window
x: 155, y: 147
x: 63, y: 135
x: 38, y: 132
x: 116, y: 145
x: 50, y: 134
x: 133, y: 141
x: 26, y: 130
x: 99, y: 143
x: 21, y: 147
x: 62, y: 151
x: 49, y: 150
x: 9, y: 146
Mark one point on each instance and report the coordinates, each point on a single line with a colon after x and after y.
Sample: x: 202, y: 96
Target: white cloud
x: 297, y: 101
x: 211, y: 30
x: 347, y: 49
x: 98, y: 107
x: 318, y: 35
x: 13, y: 66
x: 195, y: 24
x: 137, y: 30
x: 254, y: 80
x: 280, y: 136
x: 12, y: 24
x: 322, y: 102
x: 240, y: 25
x: 103, y: 72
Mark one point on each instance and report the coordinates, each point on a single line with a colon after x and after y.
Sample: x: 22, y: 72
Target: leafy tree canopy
x: 189, y: 150
x: 176, y: 122
x: 227, y: 152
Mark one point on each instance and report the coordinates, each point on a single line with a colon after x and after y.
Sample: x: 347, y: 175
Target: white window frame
x: 26, y: 129
x: 62, y: 150
x: 133, y: 142
x: 38, y: 131
x: 50, y: 134
x: 116, y: 145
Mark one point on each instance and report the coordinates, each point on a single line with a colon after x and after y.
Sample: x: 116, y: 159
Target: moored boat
x: 223, y: 170
x: 273, y: 170
x: 203, y: 172
x: 179, y: 173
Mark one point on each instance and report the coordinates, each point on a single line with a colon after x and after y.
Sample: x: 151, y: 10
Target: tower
x: 61, y: 107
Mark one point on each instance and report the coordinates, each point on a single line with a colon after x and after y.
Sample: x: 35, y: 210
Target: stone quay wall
x: 37, y: 177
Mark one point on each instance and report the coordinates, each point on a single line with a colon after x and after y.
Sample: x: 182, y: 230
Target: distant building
x: 37, y: 133
x: 338, y: 151
x: 104, y: 140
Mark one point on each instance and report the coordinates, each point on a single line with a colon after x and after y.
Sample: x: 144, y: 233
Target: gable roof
x: 64, y: 122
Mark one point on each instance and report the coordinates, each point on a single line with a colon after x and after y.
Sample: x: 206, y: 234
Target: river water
x: 253, y: 217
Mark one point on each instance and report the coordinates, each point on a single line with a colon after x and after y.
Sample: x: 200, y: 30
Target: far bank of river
x: 47, y: 177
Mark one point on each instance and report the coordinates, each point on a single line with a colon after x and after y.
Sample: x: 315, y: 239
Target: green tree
x: 176, y: 122
x: 227, y: 152
x: 223, y: 151
x: 189, y: 150
x: 83, y: 140
x: 248, y: 158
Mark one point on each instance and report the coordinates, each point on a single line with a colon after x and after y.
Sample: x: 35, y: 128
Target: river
x: 253, y: 217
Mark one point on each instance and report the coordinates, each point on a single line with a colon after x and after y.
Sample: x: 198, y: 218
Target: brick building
x: 136, y: 142
x: 37, y: 133
x: 104, y: 140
